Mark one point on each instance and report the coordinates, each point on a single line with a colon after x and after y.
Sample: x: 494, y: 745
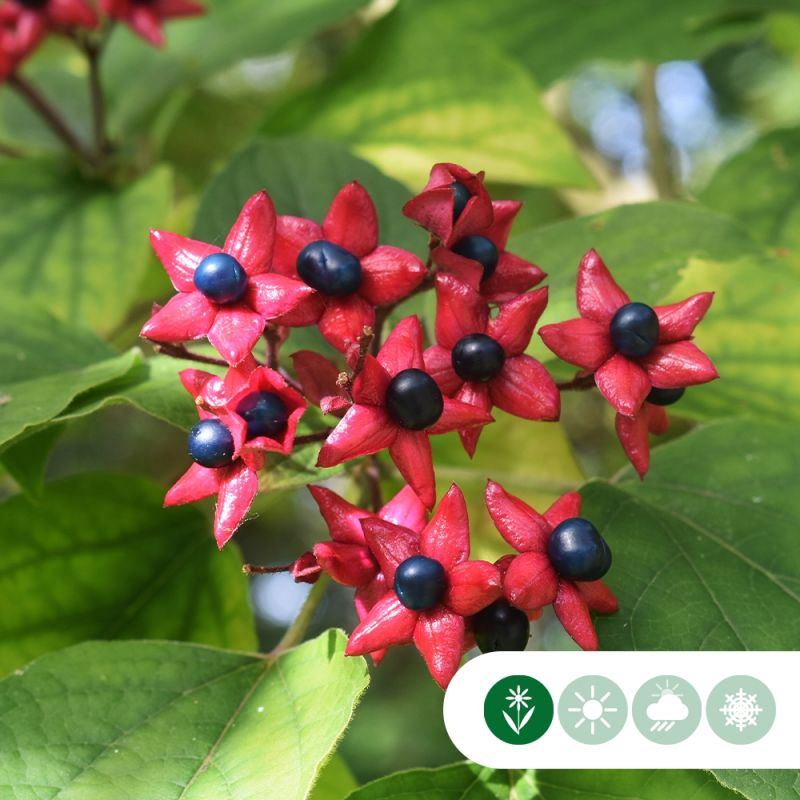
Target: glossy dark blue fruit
x: 480, y: 249
x: 329, y: 269
x: 34, y: 4
x: 664, y: 397
x: 265, y: 414
x: 414, y: 400
x: 477, y: 357
x: 211, y: 444
x: 578, y: 551
x: 420, y: 582
x: 220, y: 278
x: 634, y: 330
x: 500, y: 626
x: 461, y: 197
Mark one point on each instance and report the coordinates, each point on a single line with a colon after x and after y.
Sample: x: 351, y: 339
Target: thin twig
x: 93, y: 53
x: 273, y: 341
x: 256, y: 569
x: 372, y: 472
x: 180, y: 351
x: 581, y: 383
x: 10, y: 151
x: 297, y: 630
x: 318, y: 436
x: 657, y: 145
x: 52, y: 117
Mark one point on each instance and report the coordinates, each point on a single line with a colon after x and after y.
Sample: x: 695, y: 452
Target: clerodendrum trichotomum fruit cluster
x: 413, y: 578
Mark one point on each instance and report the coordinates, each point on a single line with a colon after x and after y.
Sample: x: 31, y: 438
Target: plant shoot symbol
x: 518, y: 699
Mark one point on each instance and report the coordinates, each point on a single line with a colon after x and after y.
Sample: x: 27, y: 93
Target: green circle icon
x: 592, y: 710
x: 667, y: 709
x: 518, y: 709
x: 741, y: 709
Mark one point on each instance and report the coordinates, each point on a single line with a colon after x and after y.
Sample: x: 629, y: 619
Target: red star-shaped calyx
x: 33, y: 21
x: 236, y: 484
x: 673, y: 360
x: 530, y: 580
x: 385, y: 274
x: 397, y: 405
x: 633, y: 433
x: 347, y: 557
x: 233, y: 327
x: 437, y: 631
x: 481, y: 360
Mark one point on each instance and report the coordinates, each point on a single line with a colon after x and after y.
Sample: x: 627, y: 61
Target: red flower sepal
x: 511, y: 277
x: 235, y: 328
x: 522, y: 387
x: 529, y: 580
x: 388, y: 274
x: 433, y: 207
x: 368, y: 427
x: 235, y: 485
x: 147, y: 19
x: 33, y: 23
x: 306, y: 569
x: 347, y: 557
x: 633, y: 433
x: 438, y: 632
x: 675, y: 362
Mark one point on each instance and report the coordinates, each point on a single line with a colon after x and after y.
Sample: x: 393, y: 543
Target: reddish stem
x: 579, y: 384
x: 319, y: 436
x: 181, y: 351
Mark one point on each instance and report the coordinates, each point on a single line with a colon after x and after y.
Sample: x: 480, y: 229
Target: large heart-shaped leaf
x: 705, y: 549
x: 761, y: 784
x: 45, y: 364
x: 302, y: 176
x: 98, y: 557
x: 552, y: 39
x: 76, y: 247
x: 470, y: 782
x: 663, y: 252
x: 761, y: 188
x: 406, y: 99
x: 168, y: 721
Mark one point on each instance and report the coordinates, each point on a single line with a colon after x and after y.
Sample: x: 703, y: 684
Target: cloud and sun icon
x: 669, y: 708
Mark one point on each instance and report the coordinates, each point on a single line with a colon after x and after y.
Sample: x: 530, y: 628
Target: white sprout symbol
x: 518, y: 698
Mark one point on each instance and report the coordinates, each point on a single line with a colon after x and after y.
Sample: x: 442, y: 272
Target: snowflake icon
x: 741, y: 710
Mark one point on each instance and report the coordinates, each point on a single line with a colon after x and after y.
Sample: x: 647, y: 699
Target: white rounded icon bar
x: 748, y: 717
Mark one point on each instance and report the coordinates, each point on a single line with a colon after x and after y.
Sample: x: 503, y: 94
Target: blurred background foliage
x: 665, y: 135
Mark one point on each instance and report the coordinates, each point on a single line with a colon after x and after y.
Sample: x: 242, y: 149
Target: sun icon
x: 593, y: 709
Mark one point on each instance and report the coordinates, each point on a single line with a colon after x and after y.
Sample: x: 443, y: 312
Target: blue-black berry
x: 329, y: 269
x: 664, y: 397
x: 221, y: 278
x: 211, y: 444
x: 265, y: 414
x: 578, y: 551
x: 500, y: 626
x: 461, y: 197
x: 480, y: 249
x: 414, y: 399
x: 420, y: 582
x: 477, y: 357
x: 634, y: 330
x: 33, y: 4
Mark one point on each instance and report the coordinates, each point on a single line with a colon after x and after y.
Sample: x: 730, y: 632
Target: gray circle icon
x: 667, y: 709
x: 741, y: 709
x: 592, y: 710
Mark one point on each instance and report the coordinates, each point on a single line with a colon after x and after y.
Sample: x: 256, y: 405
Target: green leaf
x: 168, y: 721
x: 26, y: 461
x: 405, y: 99
x: 464, y: 781
x: 761, y: 784
x: 98, y: 557
x: 553, y: 39
x: 45, y: 364
x: 302, y: 176
x: 663, y: 252
x: 139, y: 79
x: 77, y: 248
x: 298, y: 469
x: 468, y: 781
x: 760, y: 187
x: 705, y: 554
x: 335, y: 781
x: 629, y: 784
